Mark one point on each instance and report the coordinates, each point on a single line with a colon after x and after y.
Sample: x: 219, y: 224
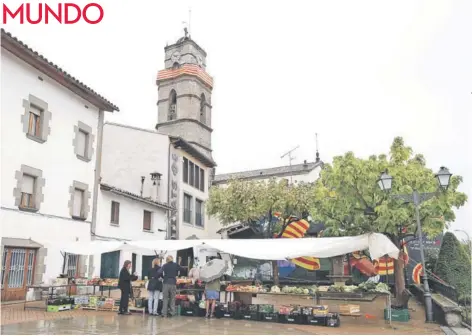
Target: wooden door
x: 17, y: 272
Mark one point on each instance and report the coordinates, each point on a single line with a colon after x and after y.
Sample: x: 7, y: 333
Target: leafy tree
x: 349, y: 201
x: 453, y: 265
x: 255, y: 202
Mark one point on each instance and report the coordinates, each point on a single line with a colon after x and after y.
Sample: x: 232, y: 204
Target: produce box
x: 307, y: 311
x: 398, y: 315
x: 266, y: 308
x: 55, y: 309
x: 242, y: 315
x: 317, y: 320
x: 253, y: 308
x: 269, y: 317
x: 291, y: 319
x: 320, y: 311
x: 350, y: 309
x: 333, y: 320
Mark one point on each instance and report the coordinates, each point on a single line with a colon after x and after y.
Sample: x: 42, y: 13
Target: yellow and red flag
x: 297, y: 229
x: 417, y: 273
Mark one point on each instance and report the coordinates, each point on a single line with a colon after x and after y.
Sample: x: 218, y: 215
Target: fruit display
x: 183, y: 280
x: 299, y: 290
x: 109, y: 282
x: 245, y: 289
x: 139, y: 283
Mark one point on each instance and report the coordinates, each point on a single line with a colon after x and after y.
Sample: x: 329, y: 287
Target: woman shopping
x: 124, y: 283
x: 154, y: 287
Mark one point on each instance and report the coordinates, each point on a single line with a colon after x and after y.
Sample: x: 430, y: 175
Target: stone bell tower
x: 184, y: 95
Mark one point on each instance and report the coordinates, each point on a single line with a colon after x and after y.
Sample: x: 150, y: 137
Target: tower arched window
x: 172, y: 106
x: 203, y: 108
x: 176, y: 65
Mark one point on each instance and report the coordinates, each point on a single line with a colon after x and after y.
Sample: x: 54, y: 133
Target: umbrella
x: 214, y: 269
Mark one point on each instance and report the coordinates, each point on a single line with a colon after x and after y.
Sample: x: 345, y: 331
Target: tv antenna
x: 290, y: 159
x: 187, y: 23
x: 317, y: 153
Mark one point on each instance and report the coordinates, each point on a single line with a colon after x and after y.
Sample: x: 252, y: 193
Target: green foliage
x: 349, y: 186
x: 453, y: 265
x: 250, y: 200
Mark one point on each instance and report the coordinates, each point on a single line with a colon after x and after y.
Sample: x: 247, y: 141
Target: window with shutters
x: 187, y: 209
x: 27, y: 192
x: 82, y: 143
x: 78, y: 204
x: 147, y: 221
x: 115, y: 213
x: 34, y: 123
x: 193, y: 175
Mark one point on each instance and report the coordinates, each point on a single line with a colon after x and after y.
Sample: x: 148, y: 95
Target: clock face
x: 175, y: 57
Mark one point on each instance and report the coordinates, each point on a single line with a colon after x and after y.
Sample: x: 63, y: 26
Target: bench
x: 450, y: 310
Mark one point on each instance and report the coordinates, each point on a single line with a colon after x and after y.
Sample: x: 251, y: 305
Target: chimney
x: 155, y: 185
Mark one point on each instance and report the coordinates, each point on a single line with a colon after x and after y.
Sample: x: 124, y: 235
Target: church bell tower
x: 184, y: 95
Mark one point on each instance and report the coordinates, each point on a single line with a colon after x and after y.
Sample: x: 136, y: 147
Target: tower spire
x: 317, y: 154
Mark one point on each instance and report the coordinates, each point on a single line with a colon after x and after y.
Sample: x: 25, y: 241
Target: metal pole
x: 427, y: 294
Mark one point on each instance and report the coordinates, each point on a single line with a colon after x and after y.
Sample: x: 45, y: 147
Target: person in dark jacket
x: 169, y: 271
x: 154, y: 287
x: 124, y: 283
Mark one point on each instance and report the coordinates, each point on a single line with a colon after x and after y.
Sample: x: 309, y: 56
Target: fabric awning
x: 263, y: 249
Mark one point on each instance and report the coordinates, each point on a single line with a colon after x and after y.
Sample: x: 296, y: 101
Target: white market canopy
x: 263, y: 249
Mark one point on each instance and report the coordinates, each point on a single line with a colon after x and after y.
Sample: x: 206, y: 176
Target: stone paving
x: 16, y: 321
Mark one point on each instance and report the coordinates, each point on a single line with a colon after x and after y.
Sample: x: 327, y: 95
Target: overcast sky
x: 358, y: 73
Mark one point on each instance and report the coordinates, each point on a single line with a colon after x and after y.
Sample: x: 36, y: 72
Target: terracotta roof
x: 186, y: 69
x: 41, y: 63
x: 297, y: 169
x: 121, y: 192
x: 190, y: 149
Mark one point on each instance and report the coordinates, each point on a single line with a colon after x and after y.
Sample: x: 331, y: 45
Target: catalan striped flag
x: 384, y: 266
x: 297, y: 229
x: 417, y: 273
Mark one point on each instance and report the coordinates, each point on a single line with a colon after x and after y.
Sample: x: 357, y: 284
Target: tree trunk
x: 399, y: 273
x: 275, y: 272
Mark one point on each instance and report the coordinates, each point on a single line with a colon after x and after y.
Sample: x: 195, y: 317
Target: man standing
x: 169, y: 272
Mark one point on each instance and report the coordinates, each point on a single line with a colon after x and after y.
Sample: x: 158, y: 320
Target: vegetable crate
x: 317, y: 320
x: 350, y: 310
x: 398, y: 315
x: 58, y: 308
x: 291, y: 319
x: 333, y: 320
x: 247, y: 315
x: 269, y: 317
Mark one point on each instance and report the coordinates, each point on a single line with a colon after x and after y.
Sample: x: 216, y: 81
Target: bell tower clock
x: 184, y: 95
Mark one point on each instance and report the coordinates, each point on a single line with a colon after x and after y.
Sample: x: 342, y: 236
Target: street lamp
x: 443, y: 177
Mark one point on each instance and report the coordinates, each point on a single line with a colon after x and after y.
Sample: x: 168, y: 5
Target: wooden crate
x: 350, y: 310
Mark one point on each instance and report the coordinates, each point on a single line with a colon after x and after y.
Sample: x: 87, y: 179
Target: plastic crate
x: 333, y: 320
x: 317, y: 320
x: 246, y: 315
x: 269, y: 317
x: 292, y: 319
x: 398, y: 315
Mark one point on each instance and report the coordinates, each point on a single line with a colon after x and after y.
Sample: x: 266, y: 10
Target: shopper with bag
x: 124, y: 283
x: 154, y: 287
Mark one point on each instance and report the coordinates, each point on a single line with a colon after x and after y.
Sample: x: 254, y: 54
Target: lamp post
x: 443, y: 177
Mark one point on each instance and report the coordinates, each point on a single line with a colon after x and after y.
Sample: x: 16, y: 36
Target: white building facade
x: 50, y: 132
x: 132, y: 202
x: 153, y: 186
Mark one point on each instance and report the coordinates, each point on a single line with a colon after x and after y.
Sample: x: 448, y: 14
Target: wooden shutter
x: 147, y: 220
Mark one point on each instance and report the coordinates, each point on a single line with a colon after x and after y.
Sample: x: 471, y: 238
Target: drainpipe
x: 97, y: 178
x: 169, y: 213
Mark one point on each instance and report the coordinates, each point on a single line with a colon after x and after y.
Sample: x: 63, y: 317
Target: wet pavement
x: 137, y: 324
